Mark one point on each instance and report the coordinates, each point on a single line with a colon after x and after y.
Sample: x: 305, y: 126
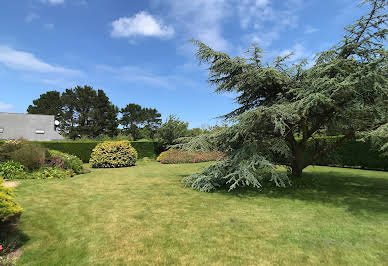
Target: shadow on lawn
x: 12, y: 242
x: 360, y: 194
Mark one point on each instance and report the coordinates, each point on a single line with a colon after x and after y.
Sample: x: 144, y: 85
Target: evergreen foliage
x: 82, y: 112
x: 171, y: 130
x: 140, y: 122
x: 283, y: 105
x: 113, y: 154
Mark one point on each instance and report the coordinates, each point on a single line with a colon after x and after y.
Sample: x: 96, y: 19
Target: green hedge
x: 352, y: 153
x: 83, y: 149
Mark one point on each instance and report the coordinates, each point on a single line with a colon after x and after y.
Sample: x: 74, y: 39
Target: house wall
x: 15, y: 126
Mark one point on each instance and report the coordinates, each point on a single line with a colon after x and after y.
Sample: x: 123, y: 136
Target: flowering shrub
x: 65, y: 161
x: 112, y: 154
x: 181, y: 156
x: 50, y: 173
x: 11, y: 170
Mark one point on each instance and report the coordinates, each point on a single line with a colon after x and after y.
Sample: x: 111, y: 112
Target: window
x: 1, y: 130
x: 39, y: 131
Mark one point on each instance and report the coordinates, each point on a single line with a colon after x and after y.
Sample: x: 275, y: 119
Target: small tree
x: 284, y: 105
x: 171, y: 130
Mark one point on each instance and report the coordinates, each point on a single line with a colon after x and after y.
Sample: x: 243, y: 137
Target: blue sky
x: 137, y: 51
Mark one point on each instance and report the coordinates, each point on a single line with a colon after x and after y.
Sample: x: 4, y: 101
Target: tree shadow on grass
x: 359, y: 193
x: 12, y: 243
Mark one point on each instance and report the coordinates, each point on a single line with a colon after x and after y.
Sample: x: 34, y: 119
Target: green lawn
x: 143, y: 215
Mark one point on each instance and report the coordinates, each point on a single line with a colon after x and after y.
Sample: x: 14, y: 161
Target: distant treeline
x: 86, y: 113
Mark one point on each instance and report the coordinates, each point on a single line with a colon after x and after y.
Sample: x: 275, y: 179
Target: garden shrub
x: 69, y: 161
x: 8, y: 147
x: 10, y: 211
x: 11, y: 170
x: 181, y: 156
x: 49, y: 173
x: 83, y: 149
x: 30, y: 155
x: 112, y: 154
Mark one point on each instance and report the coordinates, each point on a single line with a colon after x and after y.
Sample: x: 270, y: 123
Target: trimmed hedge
x: 352, y: 153
x: 83, y: 149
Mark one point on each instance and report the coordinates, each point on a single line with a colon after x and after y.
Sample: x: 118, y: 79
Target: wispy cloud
x: 267, y: 23
x: 202, y: 19
x: 310, y: 29
x: 24, y: 61
x: 49, y: 26
x: 144, y: 76
x: 141, y: 24
x: 5, y: 107
x: 31, y: 17
x: 53, y: 2
x: 298, y: 52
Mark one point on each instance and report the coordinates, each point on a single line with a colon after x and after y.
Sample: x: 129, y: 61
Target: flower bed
x: 181, y: 156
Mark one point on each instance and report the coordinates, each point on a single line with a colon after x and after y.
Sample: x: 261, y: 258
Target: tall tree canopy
x: 82, y: 111
x: 283, y: 105
x: 134, y: 117
x: 48, y: 103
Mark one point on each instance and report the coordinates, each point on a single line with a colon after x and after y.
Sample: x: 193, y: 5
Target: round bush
x: 112, y: 154
x: 10, y: 211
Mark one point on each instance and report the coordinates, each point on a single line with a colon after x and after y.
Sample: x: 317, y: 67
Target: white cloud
x: 25, y: 61
x: 31, y: 17
x: 298, y: 52
x: 53, y: 2
x: 142, y: 24
x: 266, y: 23
x: 252, y: 11
x: 310, y: 29
x: 5, y: 107
x: 202, y: 20
x: 49, y: 26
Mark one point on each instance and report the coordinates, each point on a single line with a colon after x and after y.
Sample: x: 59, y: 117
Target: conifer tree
x: 283, y: 105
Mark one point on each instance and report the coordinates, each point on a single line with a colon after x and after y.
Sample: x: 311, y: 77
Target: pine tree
x: 282, y: 105
x: 104, y: 116
x: 48, y: 103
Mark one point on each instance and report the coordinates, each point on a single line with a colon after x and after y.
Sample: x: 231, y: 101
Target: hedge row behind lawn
x: 83, y: 149
x: 352, y: 153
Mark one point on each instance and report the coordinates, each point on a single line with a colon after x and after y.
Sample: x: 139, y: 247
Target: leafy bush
x: 69, y: 161
x: 10, y: 211
x: 113, y: 154
x: 30, y: 155
x: 10, y: 146
x: 181, y: 156
x: 83, y: 149
x: 50, y: 173
x: 171, y: 130
x: 11, y: 170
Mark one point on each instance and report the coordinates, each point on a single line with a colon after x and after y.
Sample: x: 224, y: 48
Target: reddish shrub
x: 181, y: 156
